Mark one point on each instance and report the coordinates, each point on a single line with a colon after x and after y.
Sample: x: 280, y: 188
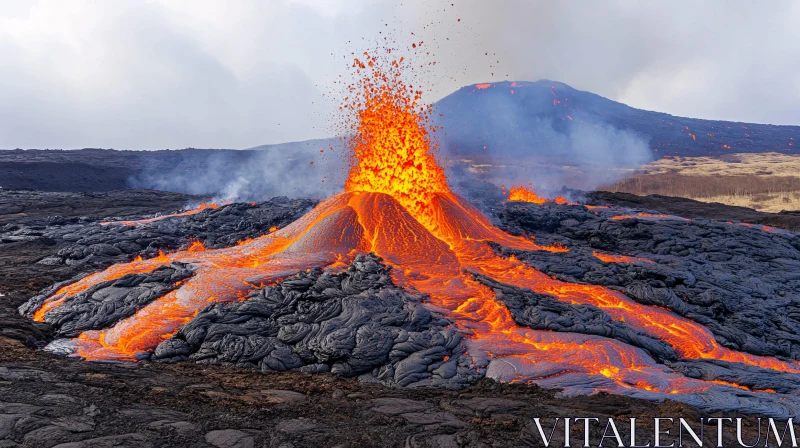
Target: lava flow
x: 194, y: 211
x: 647, y: 216
x: 397, y: 204
x: 523, y: 194
x: 612, y: 258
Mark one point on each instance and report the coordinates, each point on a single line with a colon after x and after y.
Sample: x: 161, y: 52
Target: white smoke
x: 254, y: 175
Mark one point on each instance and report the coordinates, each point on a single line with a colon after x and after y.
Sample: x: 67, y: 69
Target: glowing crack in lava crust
x: 397, y: 204
x: 193, y: 211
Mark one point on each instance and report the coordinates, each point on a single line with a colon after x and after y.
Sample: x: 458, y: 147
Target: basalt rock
x: 543, y: 312
x: 93, y: 243
x: 735, y: 373
x: 353, y: 323
x: 109, y: 302
x: 741, y: 282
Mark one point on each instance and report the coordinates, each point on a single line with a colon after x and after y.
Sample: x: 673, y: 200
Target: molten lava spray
x: 391, y: 148
x: 398, y: 206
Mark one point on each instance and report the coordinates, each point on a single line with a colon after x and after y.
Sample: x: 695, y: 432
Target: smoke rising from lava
x: 534, y: 133
x: 273, y: 170
x: 508, y: 138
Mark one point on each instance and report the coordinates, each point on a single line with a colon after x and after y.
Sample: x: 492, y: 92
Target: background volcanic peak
x: 494, y: 117
x: 546, y: 132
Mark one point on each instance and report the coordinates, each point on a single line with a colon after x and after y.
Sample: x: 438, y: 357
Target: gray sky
x: 173, y: 73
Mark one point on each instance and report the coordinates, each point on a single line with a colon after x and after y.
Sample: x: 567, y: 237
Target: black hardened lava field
x: 299, y: 357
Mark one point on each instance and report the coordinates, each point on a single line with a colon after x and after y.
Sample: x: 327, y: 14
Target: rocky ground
x: 690, y: 208
x: 46, y: 400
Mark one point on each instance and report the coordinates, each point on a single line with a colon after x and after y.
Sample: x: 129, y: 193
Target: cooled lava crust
x: 359, y: 319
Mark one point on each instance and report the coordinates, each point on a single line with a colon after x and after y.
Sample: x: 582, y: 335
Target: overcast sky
x: 173, y: 73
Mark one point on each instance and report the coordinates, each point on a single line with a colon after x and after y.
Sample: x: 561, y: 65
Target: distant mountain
x: 520, y: 115
x: 499, y: 132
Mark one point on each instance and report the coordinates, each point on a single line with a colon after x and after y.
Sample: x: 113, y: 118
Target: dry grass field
x: 768, y: 182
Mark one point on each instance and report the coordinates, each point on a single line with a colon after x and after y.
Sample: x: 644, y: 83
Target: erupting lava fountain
x: 397, y: 204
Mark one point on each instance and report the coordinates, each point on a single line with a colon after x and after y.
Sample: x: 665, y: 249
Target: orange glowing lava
x: 764, y: 228
x: 647, y: 216
x: 391, y: 146
x: 194, y: 211
x: 523, y: 194
x: 397, y: 205
x: 611, y: 258
x: 563, y: 201
x: 196, y: 246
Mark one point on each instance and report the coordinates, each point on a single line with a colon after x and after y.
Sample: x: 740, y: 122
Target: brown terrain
x: 768, y: 182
